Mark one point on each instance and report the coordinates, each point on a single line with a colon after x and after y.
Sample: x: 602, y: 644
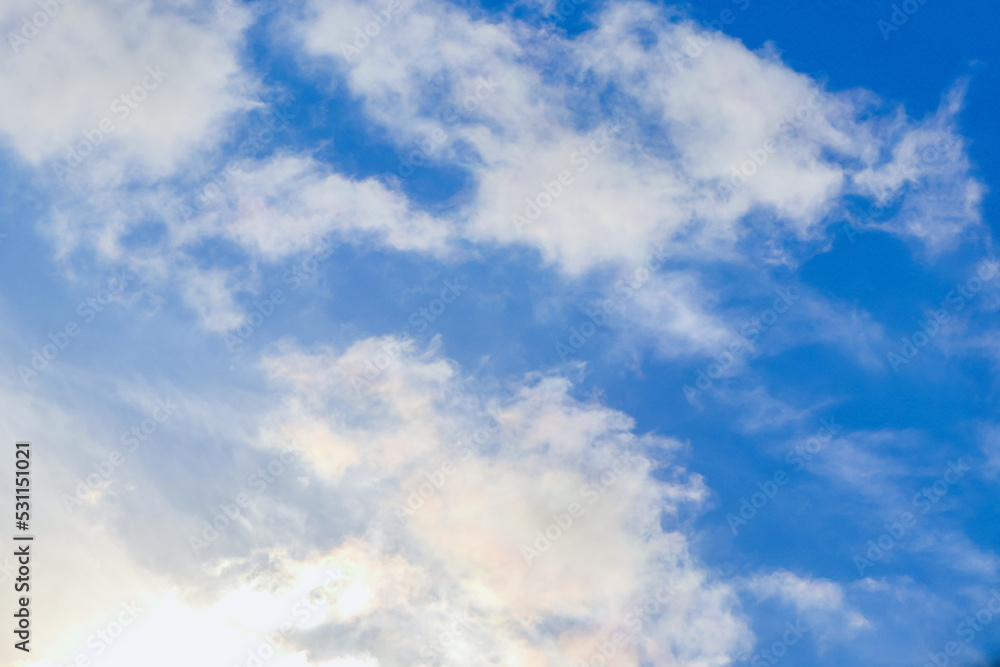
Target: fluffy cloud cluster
x: 122, y: 86
x: 531, y: 524
x: 463, y: 523
x: 644, y: 130
x: 425, y: 522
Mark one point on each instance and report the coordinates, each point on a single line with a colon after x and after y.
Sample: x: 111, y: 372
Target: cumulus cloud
x: 423, y: 516
x: 283, y: 206
x: 508, y: 512
x: 712, y: 131
x: 142, y: 84
x: 682, y: 139
x: 427, y: 523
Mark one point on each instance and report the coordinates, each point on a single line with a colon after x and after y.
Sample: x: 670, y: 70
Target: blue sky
x: 461, y: 341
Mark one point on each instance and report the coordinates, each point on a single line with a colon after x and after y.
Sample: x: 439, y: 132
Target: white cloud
x: 802, y: 593
x: 820, y: 601
x: 518, y: 108
x: 928, y: 177
x: 460, y: 557
x: 491, y: 482
x: 470, y: 559
x: 694, y: 120
x: 73, y: 74
x: 281, y: 207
